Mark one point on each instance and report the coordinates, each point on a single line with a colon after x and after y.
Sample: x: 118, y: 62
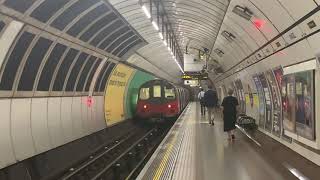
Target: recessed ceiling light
x: 146, y: 11
x: 155, y: 25
x: 160, y: 34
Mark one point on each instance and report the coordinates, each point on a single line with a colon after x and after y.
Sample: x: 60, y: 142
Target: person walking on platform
x: 229, y: 108
x: 201, y: 99
x: 210, y: 101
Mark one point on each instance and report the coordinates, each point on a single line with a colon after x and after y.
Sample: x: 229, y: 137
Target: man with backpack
x: 201, y: 99
x: 210, y: 101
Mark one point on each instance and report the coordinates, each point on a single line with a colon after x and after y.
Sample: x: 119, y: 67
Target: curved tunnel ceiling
x: 273, y: 28
x: 99, y: 27
x: 154, y: 56
x: 196, y: 23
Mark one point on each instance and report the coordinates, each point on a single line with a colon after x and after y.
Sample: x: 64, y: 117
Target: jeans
x: 203, y: 109
x: 210, y: 114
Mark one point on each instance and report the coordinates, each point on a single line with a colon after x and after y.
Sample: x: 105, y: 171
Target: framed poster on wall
x: 261, y: 101
x: 241, y: 95
x: 268, y: 104
x: 288, y: 102
x: 304, y: 96
x: 276, y: 104
x: 298, y: 91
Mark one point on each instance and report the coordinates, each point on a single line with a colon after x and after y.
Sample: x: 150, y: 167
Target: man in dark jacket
x: 210, y: 101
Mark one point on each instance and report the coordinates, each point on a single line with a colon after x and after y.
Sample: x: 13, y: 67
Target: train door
x: 261, y: 101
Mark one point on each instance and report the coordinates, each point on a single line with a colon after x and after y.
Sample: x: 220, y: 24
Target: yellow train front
x: 161, y: 99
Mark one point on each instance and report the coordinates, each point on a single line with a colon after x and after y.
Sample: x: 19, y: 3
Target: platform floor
x: 194, y: 150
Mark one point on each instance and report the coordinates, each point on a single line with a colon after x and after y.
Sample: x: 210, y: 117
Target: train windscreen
x: 169, y: 92
x: 157, y: 91
x: 144, y: 93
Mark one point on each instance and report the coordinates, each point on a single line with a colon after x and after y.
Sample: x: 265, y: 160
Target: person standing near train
x: 211, y: 102
x: 230, y: 107
x: 201, y: 99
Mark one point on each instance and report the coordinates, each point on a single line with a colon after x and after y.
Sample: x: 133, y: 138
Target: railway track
x: 121, y: 159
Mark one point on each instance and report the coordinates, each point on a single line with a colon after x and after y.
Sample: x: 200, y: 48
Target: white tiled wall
x: 7, y: 155
x: 31, y: 126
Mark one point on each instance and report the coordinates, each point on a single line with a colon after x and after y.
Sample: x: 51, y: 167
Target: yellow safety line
x: 164, y: 161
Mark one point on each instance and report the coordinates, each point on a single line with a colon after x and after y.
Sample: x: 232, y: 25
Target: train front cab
x: 158, y: 99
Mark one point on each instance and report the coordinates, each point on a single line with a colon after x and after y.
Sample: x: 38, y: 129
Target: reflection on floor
x: 205, y: 153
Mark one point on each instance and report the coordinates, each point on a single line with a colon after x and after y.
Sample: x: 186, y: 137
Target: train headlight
x: 169, y: 105
x: 145, y: 106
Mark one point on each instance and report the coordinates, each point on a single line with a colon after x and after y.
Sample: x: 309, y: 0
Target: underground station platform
x: 193, y: 149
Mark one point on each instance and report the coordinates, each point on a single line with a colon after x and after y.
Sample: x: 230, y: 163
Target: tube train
x: 161, y: 99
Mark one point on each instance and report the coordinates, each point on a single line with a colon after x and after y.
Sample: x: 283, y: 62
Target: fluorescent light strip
x: 175, y: 60
x: 161, y: 36
x: 145, y: 10
x: 165, y: 43
x: 155, y: 25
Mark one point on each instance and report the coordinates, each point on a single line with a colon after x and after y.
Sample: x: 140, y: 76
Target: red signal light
x: 169, y: 106
x: 259, y: 23
x: 89, y: 101
x: 145, y: 106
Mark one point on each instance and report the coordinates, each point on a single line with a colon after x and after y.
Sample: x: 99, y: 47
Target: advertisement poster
x: 256, y: 100
x: 304, y: 83
x: 288, y: 102
x: 261, y: 101
x: 116, y: 92
x: 276, y: 104
x: 268, y: 105
x: 248, y: 100
x: 240, y: 92
x: 250, y: 96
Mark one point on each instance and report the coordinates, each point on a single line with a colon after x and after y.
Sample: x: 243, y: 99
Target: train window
x: 87, y: 19
x: 64, y: 68
x: 104, y: 33
x: 33, y: 63
x: 75, y: 71
x: 14, y: 60
x: 169, y: 92
x: 156, y: 91
x: 85, y: 73
x: 71, y: 13
x: 50, y: 66
x: 98, y: 26
x: 47, y: 9
x: 124, y: 51
x: 113, y: 36
x: 144, y: 93
x: 19, y: 5
x: 92, y: 72
x: 105, y: 77
x: 119, y: 41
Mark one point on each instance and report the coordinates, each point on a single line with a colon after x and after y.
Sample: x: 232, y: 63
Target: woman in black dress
x: 229, y: 108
